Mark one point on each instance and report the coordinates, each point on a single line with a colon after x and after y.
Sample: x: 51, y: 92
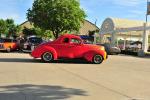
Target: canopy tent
x: 117, y: 28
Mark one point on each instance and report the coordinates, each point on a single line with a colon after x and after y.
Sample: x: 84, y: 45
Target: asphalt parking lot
x: 119, y: 78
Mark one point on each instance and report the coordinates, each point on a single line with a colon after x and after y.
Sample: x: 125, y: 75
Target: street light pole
x: 147, y: 11
x: 145, y: 35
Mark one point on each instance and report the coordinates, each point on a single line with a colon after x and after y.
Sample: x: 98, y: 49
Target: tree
x: 56, y: 15
x: 9, y: 28
x: 28, y: 32
x: 3, y: 26
x: 12, y: 28
x: 38, y: 32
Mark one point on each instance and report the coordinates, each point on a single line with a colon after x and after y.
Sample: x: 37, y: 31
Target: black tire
x: 47, y: 57
x: 97, y: 59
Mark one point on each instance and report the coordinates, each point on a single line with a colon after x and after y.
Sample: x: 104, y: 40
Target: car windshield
x: 7, y: 40
x: 35, y: 40
x: 1, y: 40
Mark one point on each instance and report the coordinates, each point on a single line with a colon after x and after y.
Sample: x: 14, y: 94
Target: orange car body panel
x: 7, y: 45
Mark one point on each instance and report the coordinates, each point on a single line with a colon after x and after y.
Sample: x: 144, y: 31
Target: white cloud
x: 130, y: 3
x: 136, y: 12
x: 10, y: 15
x: 15, y: 9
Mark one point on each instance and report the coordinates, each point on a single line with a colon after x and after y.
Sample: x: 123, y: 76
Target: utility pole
x: 95, y: 32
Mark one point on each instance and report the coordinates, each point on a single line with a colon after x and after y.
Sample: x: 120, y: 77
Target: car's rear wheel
x: 97, y: 59
x: 47, y: 57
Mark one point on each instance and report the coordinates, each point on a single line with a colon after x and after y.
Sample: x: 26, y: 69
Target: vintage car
x: 70, y: 47
x: 30, y: 43
x: 134, y: 46
x: 8, y: 44
x: 111, y: 49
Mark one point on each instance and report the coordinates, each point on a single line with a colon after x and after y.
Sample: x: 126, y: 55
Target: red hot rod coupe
x: 69, y: 46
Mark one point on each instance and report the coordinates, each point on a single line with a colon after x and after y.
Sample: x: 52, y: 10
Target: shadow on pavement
x: 38, y: 92
x: 25, y: 60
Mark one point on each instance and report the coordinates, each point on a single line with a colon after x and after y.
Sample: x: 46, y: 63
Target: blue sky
x: 101, y: 9
x: 15, y: 9
x: 95, y: 9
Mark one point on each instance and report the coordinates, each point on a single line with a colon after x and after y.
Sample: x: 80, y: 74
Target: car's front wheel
x: 47, y: 57
x: 8, y: 49
x: 97, y: 59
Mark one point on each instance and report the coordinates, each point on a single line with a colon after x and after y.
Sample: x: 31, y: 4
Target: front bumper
x: 3, y: 49
x: 105, y: 56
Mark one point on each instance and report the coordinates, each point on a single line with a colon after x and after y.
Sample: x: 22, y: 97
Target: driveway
x: 118, y: 78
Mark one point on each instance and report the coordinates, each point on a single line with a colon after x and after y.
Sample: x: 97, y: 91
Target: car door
x: 68, y: 48
x: 74, y: 48
x: 62, y: 48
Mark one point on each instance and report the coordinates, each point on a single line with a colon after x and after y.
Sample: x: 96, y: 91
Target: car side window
x: 66, y: 40
x: 75, y: 41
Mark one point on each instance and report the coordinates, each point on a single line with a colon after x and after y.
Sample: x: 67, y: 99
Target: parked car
x: 69, y: 46
x: 134, y: 46
x: 30, y: 43
x: 8, y: 44
x: 111, y: 49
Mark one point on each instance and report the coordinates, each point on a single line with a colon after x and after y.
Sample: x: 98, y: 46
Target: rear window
x: 66, y: 40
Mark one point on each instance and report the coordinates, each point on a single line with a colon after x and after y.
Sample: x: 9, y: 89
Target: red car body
x: 69, y: 46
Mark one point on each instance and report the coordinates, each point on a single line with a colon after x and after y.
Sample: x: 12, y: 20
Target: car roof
x: 70, y: 36
x: 59, y: 39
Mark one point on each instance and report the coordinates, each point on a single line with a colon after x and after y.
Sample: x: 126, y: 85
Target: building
x: 123, y: 31
x: 26, y: 24
x: 84, y: 30
x: 86, y: 27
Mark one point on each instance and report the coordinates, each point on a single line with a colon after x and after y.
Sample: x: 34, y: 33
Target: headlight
x: 102, y: 48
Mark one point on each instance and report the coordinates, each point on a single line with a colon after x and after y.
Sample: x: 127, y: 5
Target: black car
x: 30, y: 43
x: 111, y: 49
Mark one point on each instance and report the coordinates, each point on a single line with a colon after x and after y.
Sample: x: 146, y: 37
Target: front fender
x: 90, y: 54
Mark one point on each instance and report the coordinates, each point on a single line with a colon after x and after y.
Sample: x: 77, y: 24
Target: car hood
x: 92, y: 46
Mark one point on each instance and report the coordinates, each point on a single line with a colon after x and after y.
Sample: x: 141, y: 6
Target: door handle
x: 71, y: 46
